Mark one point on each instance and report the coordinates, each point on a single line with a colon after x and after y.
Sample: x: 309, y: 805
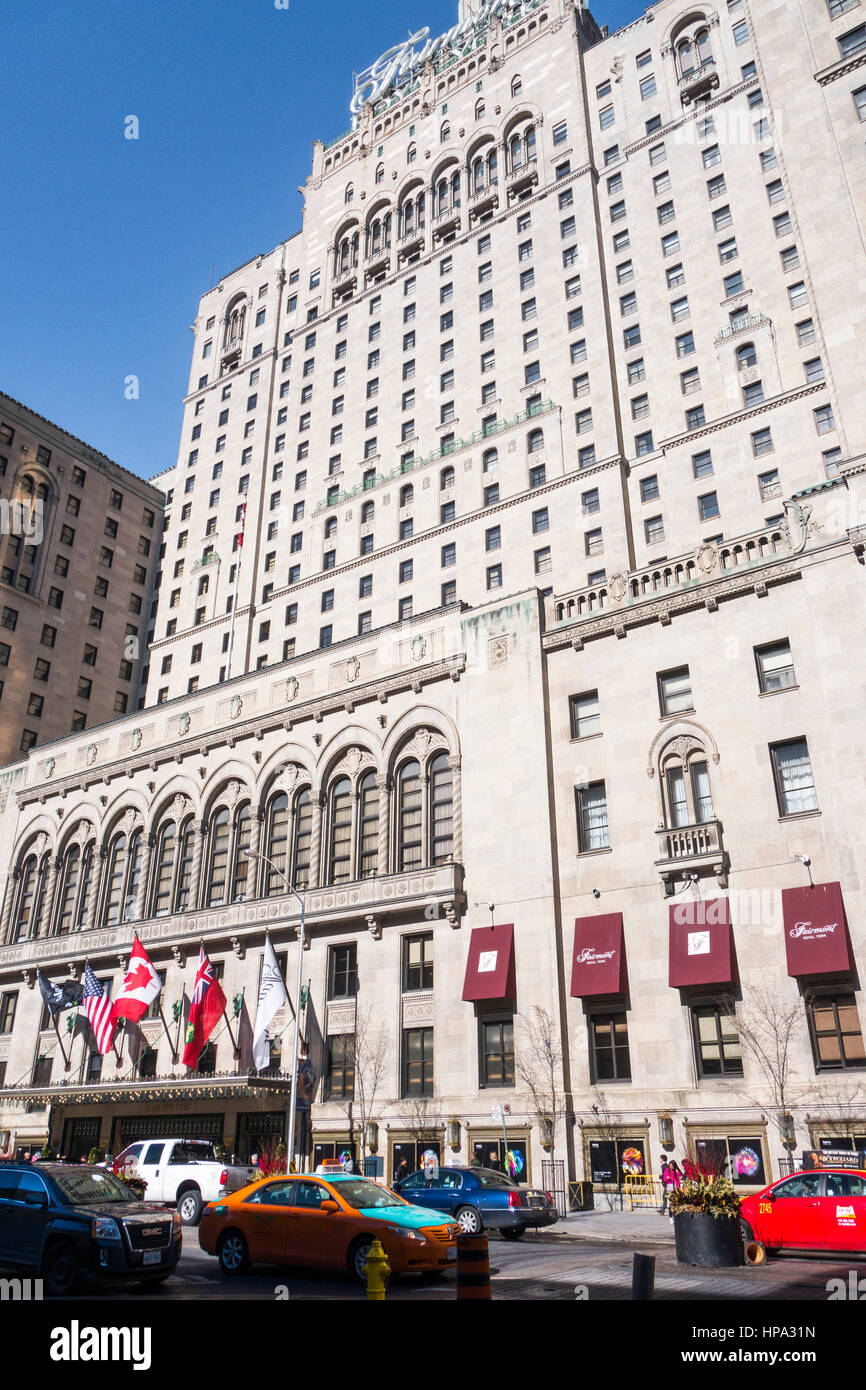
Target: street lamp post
x: 254, y: 854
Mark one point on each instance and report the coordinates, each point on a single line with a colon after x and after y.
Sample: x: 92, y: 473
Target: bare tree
x: 768, y: 1022
x: 838, y: 1107
x: 607, y: 1128
x: 369, y: 1055
x: 538, y: 1066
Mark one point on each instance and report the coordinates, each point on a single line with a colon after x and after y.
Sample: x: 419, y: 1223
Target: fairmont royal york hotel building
x: 508, y: 604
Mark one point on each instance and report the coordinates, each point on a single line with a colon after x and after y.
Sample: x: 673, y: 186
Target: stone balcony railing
x: 742, y: 325
x: 363, y: 903
x: 709, y: 563
x: 699, y: 848
x: 701, y: 79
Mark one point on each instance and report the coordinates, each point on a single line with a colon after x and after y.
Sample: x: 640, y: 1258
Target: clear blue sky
x: 107, y: 243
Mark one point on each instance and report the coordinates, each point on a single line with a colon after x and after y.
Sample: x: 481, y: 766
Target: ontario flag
x: 240, y: 535
x: 140, y: 987
x: 206, y: 1007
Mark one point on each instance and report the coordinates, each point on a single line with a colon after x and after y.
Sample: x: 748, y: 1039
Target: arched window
x: 441, y: 810
x: 746, y: 356
x: 380, y: 174
x: 204, y: 584
x: 76, y: 876
x: 446, y: 478
x: 122, y: 871
x: 688, y: 796
x: 20, y: 566
x: 490, y: 461
x: 349, y: 194
x: 702, y: 44
x: 346, y: 252
x: 330, y: 527
x: 30, y: 899
x: 406, y: 495
x: 302, y: 839
x: 516, y: 85
x: 521, y: 147
x: 409, y: 816
x: 368, y: 826
x: 535, y: 441
x: 235, y: 320
x: 340, y: 831
x: 367, y: 512
x: 218, y: 858
x: 277, y: 844
x: 686, y: 56
x: 412, y: 213
x: 444, y: 131
x: 411, y: 154
x: 240, y: 862
x: 479, y: 108
x: 164, y: 866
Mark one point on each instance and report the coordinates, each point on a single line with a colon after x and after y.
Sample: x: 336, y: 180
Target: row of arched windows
x: 361, y: 826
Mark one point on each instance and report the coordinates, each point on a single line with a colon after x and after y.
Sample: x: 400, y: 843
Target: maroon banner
x: 816, y: 933
x: 701, y: 943
x: 598, y: 964
x: 490, y: 966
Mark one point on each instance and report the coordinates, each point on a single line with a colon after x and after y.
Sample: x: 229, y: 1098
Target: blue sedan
x: 479, y: 1198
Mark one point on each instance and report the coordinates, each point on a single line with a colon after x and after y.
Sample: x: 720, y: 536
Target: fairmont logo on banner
x: 590, y: 956
x: 809, y: 931
x: 398, y: 65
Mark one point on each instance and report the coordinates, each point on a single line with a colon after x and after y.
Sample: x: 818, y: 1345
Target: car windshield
x: 488, y: 1178
x: 193, y: 1153
x: 362, y: 1195
x: 82, y: 1186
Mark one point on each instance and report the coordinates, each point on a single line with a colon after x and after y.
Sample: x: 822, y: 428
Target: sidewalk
x: 644, y: 1226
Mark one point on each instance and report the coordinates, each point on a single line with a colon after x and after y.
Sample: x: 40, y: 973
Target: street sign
x: 496, y: 1112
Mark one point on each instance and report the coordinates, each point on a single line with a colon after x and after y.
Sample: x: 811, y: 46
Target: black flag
x: 59, y: 997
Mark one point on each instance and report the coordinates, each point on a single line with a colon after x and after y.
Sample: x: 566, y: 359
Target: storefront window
x: 503, y: 1156
x: 742, y: 1160
x: 611, y: 1160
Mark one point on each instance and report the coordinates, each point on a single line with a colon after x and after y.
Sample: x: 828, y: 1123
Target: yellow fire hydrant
x: 378, y: 1271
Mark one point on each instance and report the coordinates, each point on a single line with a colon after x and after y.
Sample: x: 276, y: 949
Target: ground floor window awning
x: 816, y: 932
x: 598, y: 964
x: 490, y: 965
x: 701, y: 944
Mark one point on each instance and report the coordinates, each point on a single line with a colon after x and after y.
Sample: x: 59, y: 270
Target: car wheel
x: 513, y: 1233
x: 358, y: 1258
x: 468, y: 1220
x: 190, y: 1205
x: 755, y: 1251
x: 60, y: 1269
x: 233, y: 1254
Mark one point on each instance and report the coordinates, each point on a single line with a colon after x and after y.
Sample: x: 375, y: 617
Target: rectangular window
x: 592, y: 826
x: 717, y: 1041
x: 775, y: 667
x: 417, y: 1070
x: 792, y: 772
x: 675, y: 691
x: 654, y: 530
x: 585, y: 714
x: 608, y: 1048
x: 835, y: 1031
x: 762, y: 442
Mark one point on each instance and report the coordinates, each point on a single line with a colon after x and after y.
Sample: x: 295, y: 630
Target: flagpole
x: 165, y: 1029
x: 60, y: 1043
x: 293, y: 1101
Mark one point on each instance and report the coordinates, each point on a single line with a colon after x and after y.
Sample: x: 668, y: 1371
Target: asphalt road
x: 552, y: 1270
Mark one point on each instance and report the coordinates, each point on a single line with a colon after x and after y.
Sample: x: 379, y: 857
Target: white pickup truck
x: 184, y: 1172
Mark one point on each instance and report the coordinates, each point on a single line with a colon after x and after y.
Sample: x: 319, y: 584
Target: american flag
x: 97, y: 1007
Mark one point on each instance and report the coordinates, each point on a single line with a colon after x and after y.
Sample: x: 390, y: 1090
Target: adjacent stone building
x: 79, y: 549
x: 507, y: 609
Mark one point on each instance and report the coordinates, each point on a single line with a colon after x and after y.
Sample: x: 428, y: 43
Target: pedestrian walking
x: 671, y: 1178
x: 402, y: 1171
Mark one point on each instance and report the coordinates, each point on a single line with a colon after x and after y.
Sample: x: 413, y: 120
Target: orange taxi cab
x: 325, y: 1223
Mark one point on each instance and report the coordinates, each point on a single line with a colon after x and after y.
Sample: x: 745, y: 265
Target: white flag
x: 272, y: 996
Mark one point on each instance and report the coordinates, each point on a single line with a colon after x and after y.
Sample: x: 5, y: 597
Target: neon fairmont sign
x: 400, y: 64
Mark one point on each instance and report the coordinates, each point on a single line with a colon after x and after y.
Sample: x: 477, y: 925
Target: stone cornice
x: 664, y: 605
x: 840, y: 69
x: 315, y: 708
x: 723, y: 421
x: 663, y: 130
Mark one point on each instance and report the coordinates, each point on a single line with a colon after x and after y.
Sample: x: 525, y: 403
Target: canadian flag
x: 140, y: 987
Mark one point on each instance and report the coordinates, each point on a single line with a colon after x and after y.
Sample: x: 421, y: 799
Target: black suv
x: 65, y: 1221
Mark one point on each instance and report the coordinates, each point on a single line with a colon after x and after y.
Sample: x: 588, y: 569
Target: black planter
x: 704, y: 1240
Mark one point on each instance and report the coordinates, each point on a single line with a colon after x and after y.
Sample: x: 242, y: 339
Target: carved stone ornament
x: 497, y: 651
x: 233, y: 791
x: 135, y: 740
x: 238, y: 947
x: 287, y: 778
x: 82, y: 833
x: 353, y: 668
x: 374, y: 927
x: 179, y: 806
x: 616, y: 587
x: 291, y: 687
x: 50, y: 765
x: 419, y: 648
x: 92, y: 751
x: 352, y: 761
x: 183, y: 724
x: 707, y: 559
x: 236, y: 706
x: 420, y: 744
x: 179, y: 957
x: 41, y: 843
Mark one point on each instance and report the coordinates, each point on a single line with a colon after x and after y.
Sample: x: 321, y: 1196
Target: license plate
x: 152, y: 1257
x: 451, y: 1253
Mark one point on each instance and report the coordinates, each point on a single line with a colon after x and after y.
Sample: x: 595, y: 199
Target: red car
x: 816, y: 1210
